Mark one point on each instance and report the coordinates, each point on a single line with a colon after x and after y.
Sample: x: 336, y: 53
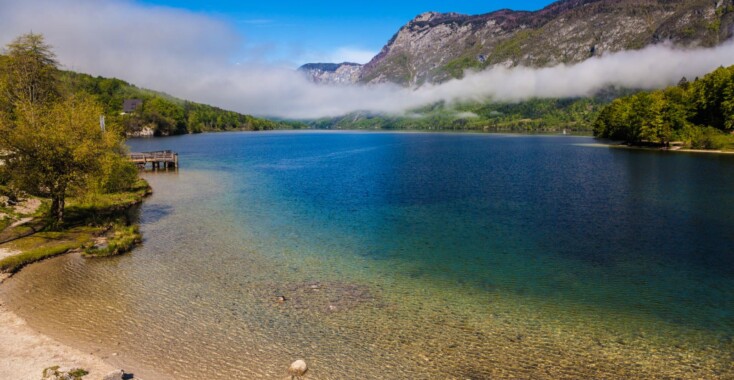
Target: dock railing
x: 162, y: 159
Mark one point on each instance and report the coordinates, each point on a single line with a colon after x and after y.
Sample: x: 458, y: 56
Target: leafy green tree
x: 58, y: 150
x: 29, y: 74
x: 167, y: 116
x: 53, y: 144
x: 711, y: 98
x: 701, y: 113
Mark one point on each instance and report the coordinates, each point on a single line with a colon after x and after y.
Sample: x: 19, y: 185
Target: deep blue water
x: 410, y: 255
x: 634, y: 221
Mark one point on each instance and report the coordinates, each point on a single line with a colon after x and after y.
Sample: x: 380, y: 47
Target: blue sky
x: 242, y: 57
x: 297, y: 32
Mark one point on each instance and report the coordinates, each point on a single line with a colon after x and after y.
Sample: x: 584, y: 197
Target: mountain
x: 332, y: 73
x: 435, y: 47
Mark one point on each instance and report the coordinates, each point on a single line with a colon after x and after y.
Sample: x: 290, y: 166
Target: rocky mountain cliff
x: 435, y: 47
x: 332, y: 73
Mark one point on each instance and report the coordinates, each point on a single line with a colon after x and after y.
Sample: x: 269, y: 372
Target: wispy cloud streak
x: 192, y: 56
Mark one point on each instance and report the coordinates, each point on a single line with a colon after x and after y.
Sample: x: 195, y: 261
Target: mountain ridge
x: 435, y: 47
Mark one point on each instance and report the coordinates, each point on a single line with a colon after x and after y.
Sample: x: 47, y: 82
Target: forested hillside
x: 699, y: 114
x: 535, y: 115
x: 160, y: 113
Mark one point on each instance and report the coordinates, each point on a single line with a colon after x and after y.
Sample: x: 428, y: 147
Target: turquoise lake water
x: 410, y: 255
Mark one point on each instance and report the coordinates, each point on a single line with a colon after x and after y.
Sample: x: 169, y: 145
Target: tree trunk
x: 58, y: 202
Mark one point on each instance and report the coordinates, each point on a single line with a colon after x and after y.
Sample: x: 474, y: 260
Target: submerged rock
x: 317, y: 297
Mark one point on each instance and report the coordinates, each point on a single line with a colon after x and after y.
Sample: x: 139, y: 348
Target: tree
x: 700, y: 113
x: 57, y: 150
x: 709, y: 95
x: 29, y: 72
x: 167, y: 116
x: 54, y: 144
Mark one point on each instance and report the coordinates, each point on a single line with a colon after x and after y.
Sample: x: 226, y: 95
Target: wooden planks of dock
x: 163, y: 159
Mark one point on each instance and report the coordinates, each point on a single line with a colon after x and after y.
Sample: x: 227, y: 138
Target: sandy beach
x: 24, y: 353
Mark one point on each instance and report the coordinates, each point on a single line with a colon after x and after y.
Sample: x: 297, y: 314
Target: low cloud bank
x: 192, y: 56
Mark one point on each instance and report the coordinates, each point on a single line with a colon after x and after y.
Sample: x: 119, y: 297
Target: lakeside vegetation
x: 95, y: 224
x: 56, y: 157
x: 547, y: 115
x: 697, y: 114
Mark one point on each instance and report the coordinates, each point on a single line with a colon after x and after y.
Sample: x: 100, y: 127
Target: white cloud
x: 192, y: 56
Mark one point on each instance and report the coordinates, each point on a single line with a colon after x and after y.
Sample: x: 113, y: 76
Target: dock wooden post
x: 158, y: 160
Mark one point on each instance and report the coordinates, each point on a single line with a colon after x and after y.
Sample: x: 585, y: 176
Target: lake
x: 409, y: 256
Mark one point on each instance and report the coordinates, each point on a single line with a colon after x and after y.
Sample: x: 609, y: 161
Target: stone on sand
x: 297, y: 369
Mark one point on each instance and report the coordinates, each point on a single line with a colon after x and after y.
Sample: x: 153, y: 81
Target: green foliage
x: 28, y: 73
x: 87, y: 218
x: 535, y: 115
x: 162, y: 113
x: 97, y: 208
x: 40, y: 252
x: 54, y: 373
x: 50, y: 137
x: 699, y: 113
x: 711, y: 138
x: 59, y: 149
x: 397, y: 66
x: 511, y: 49
x: 456, y: 67
x: 122, y: 239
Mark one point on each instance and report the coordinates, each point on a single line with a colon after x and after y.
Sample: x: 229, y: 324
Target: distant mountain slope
x: 435, y: 47
x: 162, y: 114
x: 332, y: 73
x: 572, y: 115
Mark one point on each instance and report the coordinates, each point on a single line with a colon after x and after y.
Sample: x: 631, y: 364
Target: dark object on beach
x: 119, y: 375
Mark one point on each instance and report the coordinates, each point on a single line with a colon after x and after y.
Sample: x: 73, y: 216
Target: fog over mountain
x: 192, y: 56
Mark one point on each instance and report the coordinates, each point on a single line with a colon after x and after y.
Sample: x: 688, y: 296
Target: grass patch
x: 4, y: 222
x: 134, y: 195
x: 54, y: 373
x: 123, y: 239
x: 99, y: 209
x: 44, y: 245
x: 13, y: 264
x: 87, y: 218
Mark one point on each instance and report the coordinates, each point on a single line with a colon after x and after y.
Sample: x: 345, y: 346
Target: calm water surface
x: 409, y: 256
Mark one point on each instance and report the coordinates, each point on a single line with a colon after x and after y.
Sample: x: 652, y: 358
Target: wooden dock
x: 163, y: 159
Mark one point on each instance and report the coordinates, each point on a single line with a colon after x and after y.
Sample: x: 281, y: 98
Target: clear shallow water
x: 410, y: 256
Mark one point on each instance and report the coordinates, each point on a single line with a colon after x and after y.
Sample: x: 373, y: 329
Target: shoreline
x: 370, y: 131
x: 611, y: 145
x: 25, y: 352
x: 682, y: 150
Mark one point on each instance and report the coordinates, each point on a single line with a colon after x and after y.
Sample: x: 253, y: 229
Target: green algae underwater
x: 409, y: 256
